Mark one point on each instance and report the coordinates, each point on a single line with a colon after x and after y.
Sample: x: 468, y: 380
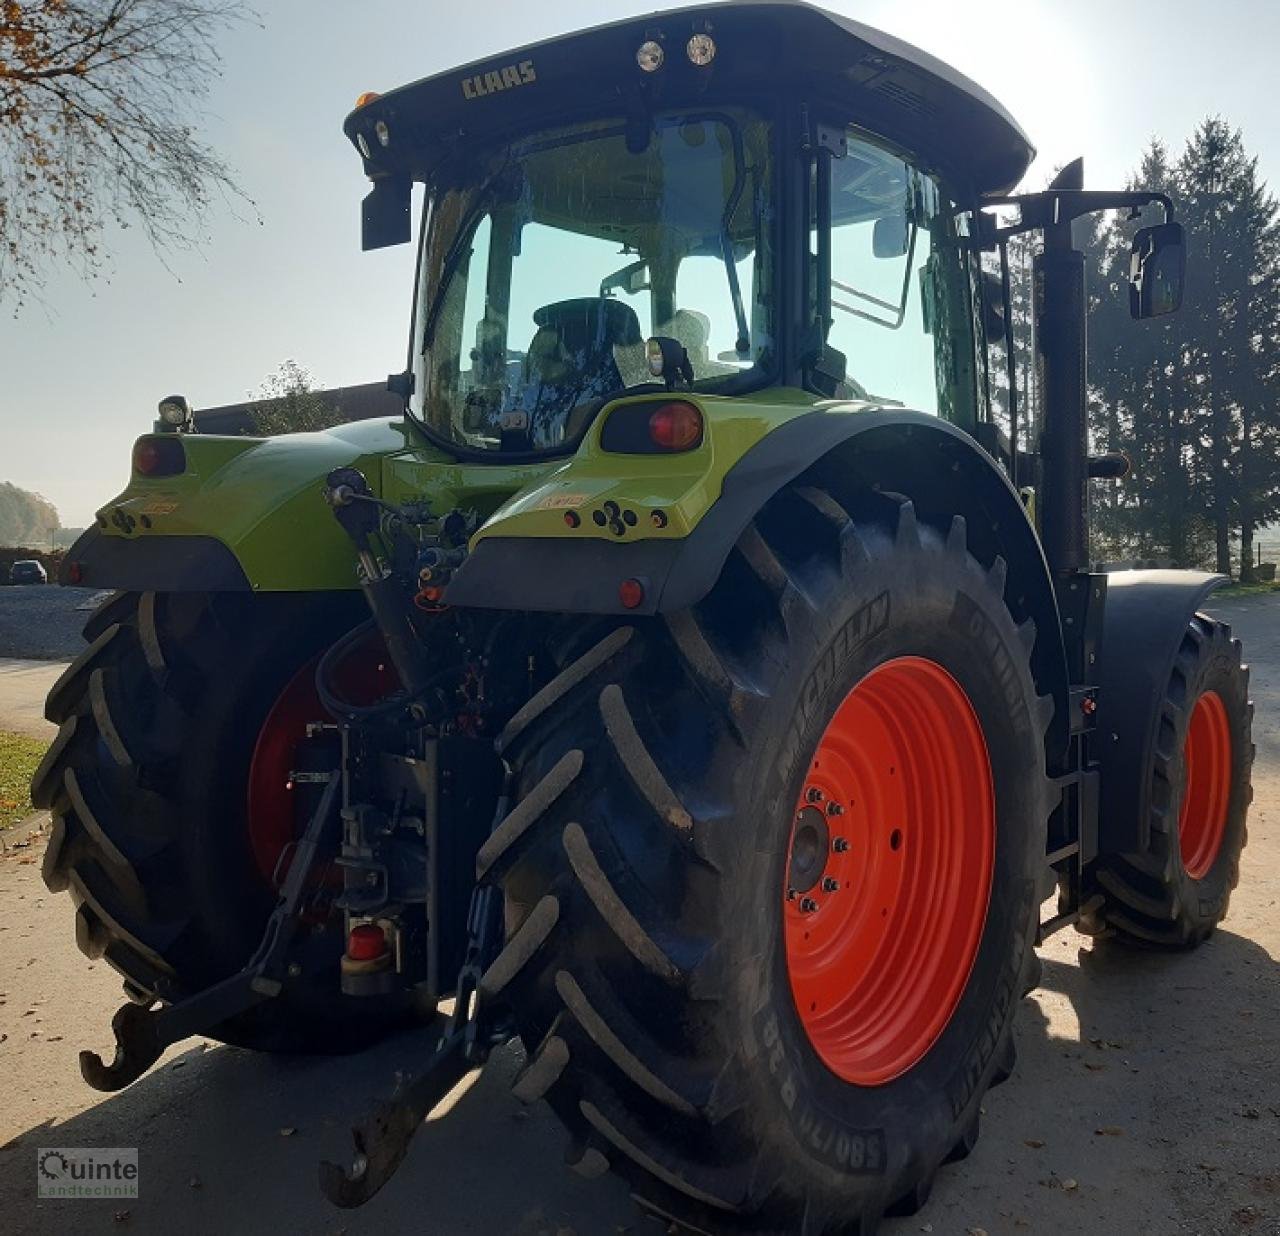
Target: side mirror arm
x: 1057, y: 206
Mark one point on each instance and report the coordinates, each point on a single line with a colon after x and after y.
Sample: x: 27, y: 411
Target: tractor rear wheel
x: 1173, y: 894
x: 166, y: 783
x: 773, y: 871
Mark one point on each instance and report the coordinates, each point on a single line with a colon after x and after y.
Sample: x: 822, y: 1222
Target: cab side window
x: 899, y: 296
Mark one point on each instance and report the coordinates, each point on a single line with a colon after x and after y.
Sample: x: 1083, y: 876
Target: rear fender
x: 245, y: 513
x: 1146, y: 617
x: 938, y: 466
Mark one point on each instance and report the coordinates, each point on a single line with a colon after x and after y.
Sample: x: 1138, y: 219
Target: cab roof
x: 764, y: 50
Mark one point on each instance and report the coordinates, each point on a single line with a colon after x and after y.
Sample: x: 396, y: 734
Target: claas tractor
x: 704, y: 680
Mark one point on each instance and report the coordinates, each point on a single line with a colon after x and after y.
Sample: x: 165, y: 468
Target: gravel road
x: 1146, y: 1099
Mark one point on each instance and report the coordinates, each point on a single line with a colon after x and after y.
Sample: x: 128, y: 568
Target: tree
x: 25, y: 518
x: 289, y: 403
x: 1193, y: 398
x: 97, y: 101
x: 1233, y: 289
x: 1137, y: 403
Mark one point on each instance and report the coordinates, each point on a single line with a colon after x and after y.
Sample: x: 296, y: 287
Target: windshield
x: 547, y: 265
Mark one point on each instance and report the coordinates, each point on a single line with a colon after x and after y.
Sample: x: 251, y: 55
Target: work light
x: 175, y: 410
x: 701, y: 50
x: 649, y: 56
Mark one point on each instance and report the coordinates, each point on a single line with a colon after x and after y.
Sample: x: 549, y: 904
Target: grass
x: 1249, y: 590
x: 19, y: 756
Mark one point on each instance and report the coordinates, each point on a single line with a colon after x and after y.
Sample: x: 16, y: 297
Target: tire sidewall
x: 940, y: 605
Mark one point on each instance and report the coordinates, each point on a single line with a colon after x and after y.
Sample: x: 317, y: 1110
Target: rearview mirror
x: 889, y: 236
x: 1157, y: 269
x: 384, y: 214
x: 632, y: 279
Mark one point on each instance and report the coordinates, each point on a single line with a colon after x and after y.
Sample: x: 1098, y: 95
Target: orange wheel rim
x: 1206, y: 791
x: 889, y: 872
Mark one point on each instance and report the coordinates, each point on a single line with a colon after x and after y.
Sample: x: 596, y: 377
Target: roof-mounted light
x: 701, y: 50
x: 649, y: 56
x: 175, y: 411
x: 369, y: 96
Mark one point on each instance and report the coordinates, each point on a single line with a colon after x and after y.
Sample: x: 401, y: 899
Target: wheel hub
x: 809, y: 848
x: 890, y: 867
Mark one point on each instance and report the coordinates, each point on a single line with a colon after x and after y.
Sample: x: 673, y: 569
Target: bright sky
x: 80, y: 375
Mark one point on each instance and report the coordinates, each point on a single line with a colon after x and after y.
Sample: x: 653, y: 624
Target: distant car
x: 27, y: 571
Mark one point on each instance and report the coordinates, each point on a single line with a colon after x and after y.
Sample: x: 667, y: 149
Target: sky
x: 80, y: 373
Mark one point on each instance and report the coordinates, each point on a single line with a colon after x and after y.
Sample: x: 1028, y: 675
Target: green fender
x: 560, y: 534
x: 938, y: 466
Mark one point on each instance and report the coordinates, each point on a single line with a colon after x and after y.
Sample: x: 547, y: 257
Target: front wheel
x: 1175, y: 892
x: 772, y: 874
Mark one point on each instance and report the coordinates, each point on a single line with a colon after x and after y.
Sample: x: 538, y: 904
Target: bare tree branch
x: 98, y: 103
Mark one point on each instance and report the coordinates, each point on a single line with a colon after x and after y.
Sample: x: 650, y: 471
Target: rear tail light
x: 676, y: 426
x: 159, y: 456
x: 366, y: 942
x: 651, y: 428
x: 631, y: 593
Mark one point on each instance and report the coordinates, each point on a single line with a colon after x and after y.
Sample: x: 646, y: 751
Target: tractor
x: 704, y: 680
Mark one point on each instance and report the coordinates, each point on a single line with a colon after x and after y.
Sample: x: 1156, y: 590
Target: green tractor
x: 704, y: 680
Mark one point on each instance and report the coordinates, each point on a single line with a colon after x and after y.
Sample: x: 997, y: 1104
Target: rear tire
x: 146, y: 782
x: 1174, y: 893
x: 644, y: 863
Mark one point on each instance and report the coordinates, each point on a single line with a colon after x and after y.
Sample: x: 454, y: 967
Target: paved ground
x: 41, y: 622
x: 23, y: 687
x: 1146, y: 1100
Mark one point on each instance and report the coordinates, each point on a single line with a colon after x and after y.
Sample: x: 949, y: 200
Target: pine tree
x: 1214, y: 176
x: 1193, y: 398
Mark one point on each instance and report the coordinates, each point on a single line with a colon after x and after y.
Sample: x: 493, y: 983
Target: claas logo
x: 505, y: 78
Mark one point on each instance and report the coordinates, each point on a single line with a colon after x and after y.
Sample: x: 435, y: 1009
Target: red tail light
x: 676, y: 426
x: 366, y: 942
x: 631, y: 593
x: 159, y: 456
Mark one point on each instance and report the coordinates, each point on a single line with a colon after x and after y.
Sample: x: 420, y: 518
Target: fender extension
x: 1145, y: 618
x: 152, y: 563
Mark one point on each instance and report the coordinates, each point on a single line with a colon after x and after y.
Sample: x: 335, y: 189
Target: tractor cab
x: 747, y: 190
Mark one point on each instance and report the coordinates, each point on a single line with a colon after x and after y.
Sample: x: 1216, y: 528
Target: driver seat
x: 570, y: 361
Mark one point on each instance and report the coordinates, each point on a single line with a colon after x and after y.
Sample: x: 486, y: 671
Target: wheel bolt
x: 835, y: 809
x: 813, y: 794
x: 830, y: 885
x: 839, y: 845
x: 807, y: 905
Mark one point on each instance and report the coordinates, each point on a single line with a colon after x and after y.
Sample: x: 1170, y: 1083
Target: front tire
x: 646, y: 861
x: 1174, y: 893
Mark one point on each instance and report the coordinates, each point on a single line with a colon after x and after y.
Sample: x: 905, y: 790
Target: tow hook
x: 142, y: 1034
